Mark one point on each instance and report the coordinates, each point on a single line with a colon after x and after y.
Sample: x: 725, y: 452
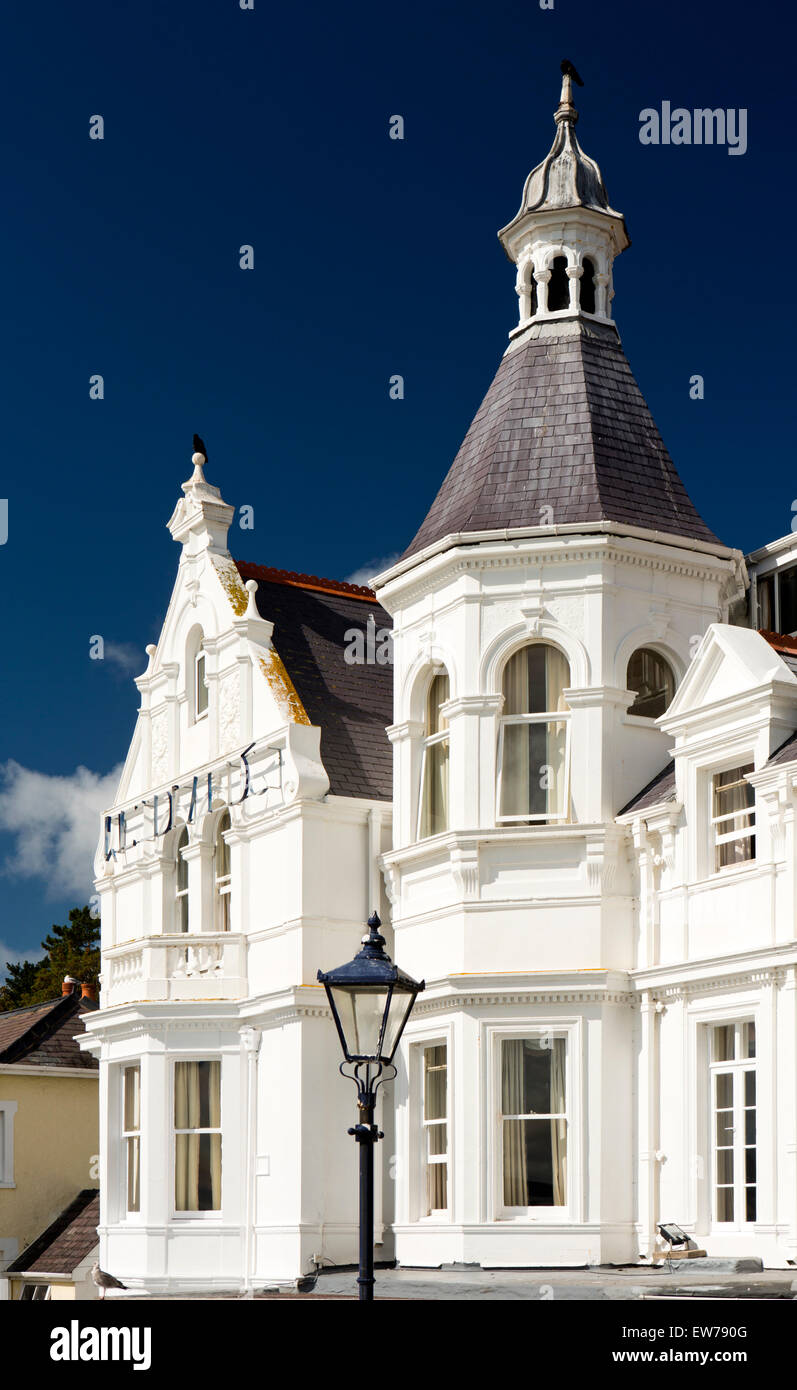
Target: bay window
x: 131, y: 1135
x: 534, y: 742
x: 434, y: 1124
x: 433, y: 810
x: 197, y: 1136
x: 533, y: 1122
x: 652, y: 680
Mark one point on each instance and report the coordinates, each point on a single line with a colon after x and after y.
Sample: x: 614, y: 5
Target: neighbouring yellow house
x: 49, y: 1124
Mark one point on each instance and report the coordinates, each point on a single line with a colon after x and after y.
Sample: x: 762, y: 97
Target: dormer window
x: 587, y: 282
x: 558, y: 286
x: 200, y: 685
x: 733, y: 817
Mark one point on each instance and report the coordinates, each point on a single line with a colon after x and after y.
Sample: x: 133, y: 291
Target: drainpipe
x: 250, y: 1042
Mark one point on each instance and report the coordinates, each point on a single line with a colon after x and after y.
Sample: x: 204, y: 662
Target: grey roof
x: 564, y: 425
x: 661, y: 788
x: 47, y: 1034
x: 352, y: 703
x: 66, y: 1242
x: 786, y: 753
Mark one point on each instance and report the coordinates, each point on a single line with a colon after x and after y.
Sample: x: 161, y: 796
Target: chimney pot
x: 88, y: 991
x: 69, y: 983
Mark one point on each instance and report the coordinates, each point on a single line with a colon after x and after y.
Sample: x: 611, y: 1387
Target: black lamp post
x: 371, y: 1000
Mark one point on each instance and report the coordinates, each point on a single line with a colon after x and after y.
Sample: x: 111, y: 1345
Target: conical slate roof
x: 563, y: 426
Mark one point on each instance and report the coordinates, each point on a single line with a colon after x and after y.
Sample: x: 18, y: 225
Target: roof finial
x: 566, y: 111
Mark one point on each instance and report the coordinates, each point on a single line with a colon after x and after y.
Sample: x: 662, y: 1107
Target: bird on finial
x: 569, y: 71
x: 200, y: 448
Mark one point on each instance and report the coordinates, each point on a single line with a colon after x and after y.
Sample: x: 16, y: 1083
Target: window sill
x: 6, y: 1185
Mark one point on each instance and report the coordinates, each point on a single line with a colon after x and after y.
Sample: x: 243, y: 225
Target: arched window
x: 222, y: 874
x: 651, y: 677
x: 433, y: 816
x: 558, y: 286
x: 182, y: 883
x: 534, y: 739
x: 200, y: 686
x: 587, y: 300
x: 532, y: 296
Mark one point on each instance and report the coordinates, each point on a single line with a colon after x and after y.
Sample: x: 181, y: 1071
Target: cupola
x: 565, y: 235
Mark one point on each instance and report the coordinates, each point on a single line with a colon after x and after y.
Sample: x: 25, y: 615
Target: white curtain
x: 533, y: 773
x: 512, y: 1103
x: 559, y: 1127
x: 195, y: 1083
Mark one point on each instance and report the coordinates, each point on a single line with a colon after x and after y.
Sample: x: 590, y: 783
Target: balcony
x: 207, y: 965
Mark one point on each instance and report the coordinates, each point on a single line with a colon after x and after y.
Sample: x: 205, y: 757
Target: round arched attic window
x: 652, y: 680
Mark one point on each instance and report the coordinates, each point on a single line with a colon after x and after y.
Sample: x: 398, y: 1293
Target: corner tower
x: 544, y: 615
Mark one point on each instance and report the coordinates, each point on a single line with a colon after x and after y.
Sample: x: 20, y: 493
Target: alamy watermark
x: 703, y: 126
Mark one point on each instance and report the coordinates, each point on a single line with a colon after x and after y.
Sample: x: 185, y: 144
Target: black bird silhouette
x: 569, y: 71
x: 199, y: 446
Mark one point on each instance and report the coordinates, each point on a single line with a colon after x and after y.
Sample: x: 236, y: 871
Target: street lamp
x: 371, y: 1000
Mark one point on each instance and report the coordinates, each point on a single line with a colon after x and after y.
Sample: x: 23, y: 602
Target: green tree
x: 71, y: 949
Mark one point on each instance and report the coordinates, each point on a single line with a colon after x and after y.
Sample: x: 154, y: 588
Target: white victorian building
x: 571, y: 798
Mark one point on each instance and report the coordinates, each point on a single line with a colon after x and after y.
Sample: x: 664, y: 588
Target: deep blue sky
x: 372, y: 257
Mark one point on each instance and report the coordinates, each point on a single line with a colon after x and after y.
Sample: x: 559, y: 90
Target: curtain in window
x: 512, y: 1103
x: 434, y: 794
x: 533, y: 773
x: 559, y: 1127
x: 186, y: 1116
x: 197, y: 1105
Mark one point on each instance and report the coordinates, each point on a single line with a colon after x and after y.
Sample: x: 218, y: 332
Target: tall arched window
x: 558, y: 286
x: 651, y: 677
x: 200, y: 686
x: 222, y: 875
x: 433, y: 816
x: 182, y: 883
x: 587, y: 300
x: 534, y: 739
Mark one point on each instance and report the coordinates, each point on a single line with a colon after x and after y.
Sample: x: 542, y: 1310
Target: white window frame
x: 729, y: 836
x: 492, y: 1035
x: 427, y: 1159
x: 736, y: 1067
x: 443, y: 737
x: 200, y: 660
x: 128, y: 1134
x: 559, y: 717
x: 8, y: 1109
x: 177, y: 1212
x: 181, y: 894
x: 222, y: 884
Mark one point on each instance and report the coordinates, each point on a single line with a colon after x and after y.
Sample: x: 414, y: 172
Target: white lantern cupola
x: 565, y: 235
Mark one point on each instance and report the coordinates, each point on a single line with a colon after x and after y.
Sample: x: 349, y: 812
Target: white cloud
x: 55, y: 825
x: 8, y: 956
x: 126, y: 656
x: 366, y: 572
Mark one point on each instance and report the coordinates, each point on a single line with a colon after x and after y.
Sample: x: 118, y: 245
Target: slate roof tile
x: 352, y: 703
x: 66, y: 1242
x: 558, y: 400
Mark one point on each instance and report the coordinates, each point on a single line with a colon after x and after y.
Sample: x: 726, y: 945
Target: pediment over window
x: 730, y: 663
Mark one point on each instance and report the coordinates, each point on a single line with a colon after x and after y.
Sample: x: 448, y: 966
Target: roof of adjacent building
x: 659, y: 788
x: 66, y: 1242
x: 352, y: 702
x: 563, y: 426
x: 46, y: 1034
